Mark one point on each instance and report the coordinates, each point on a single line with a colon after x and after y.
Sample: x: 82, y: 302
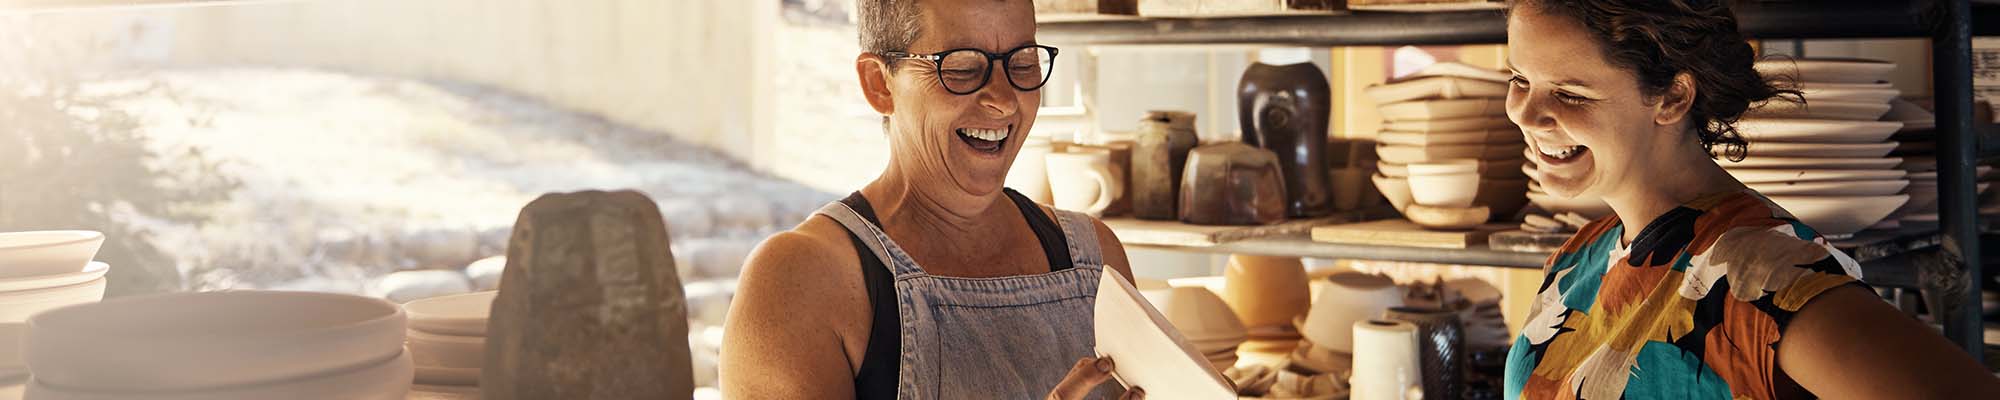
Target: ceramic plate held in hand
x: 1148, y: 352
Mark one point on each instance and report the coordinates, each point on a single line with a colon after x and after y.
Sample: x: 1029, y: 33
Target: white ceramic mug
x: 1083, y: 181
x: 1385, y: 361
x: 1030, y: 173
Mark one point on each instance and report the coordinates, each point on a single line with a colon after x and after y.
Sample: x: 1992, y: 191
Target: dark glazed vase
x: 1286, y: 109
x: 1158, y: 157
x: 1441, y: 347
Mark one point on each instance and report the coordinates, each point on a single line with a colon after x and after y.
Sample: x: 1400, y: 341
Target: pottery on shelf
x: 1030, y: 174
x: 1121, y: 169
x: 1083, y: 181
x: 1387, y: 364
x: 1266, y: 291
x: 461, y: 315
x: 1441, y: 345
x: 386, y: 379
x: 1284, y: 104
x: 1159, y: 158
x: 1344, y: 299
x: 1232, y: 184
x: 1203, y: 318
x: 1448, y: 218
x: 1443, y: 187
x: 37, y: 253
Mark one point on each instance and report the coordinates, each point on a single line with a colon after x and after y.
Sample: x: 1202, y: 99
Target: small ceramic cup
x: 1030, y: 174
x: 1083, y: 181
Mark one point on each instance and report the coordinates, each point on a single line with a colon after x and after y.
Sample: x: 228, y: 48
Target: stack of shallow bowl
x: 40, y: 271
x: 220, y: 345
x: 1203, y: 318
x: 447, y: 340
x: 1826, y: 160
x: 1450, y: 112
x: 1917, y: 146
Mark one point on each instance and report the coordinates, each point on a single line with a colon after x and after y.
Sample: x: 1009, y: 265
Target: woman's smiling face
x: 1587, y: 122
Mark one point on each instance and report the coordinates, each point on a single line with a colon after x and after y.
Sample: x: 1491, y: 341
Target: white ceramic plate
x: 1816, y: 131
x: 383, y: 379
x: 1840, y: 150
x: 1831, y: 70
x: 1814, y: 175
x: 1445, y: 109
x: 1819, y: 109
x: 1811, y: 163
x: 1816, y: 93
x: 1913, y: 116
x: 1153, y: 354
x: 1490, y: 136
x: 460, y: 315
x: 1840, y: 216
x: 1434, y: 87
x: 1835, y: 188
x: 90, y: 272
x: 19, y: 305
x: 1450, y: 125
x: 38, y: 253
x: 199, y: 341
x: 1402, y: 154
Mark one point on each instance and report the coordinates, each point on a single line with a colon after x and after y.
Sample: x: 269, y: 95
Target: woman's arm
x: 780, y: 342
x: 1849, y: 344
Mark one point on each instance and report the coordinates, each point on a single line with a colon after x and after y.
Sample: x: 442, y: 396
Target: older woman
x: 1696, y: 287
x: 933, y: 281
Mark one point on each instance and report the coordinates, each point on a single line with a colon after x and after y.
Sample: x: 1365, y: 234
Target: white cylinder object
x: 1385, y: 361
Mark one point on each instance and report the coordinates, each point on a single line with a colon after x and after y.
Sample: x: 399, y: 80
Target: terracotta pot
x: 1266, y: 291
x: 1285, y: 109
x: 1159, y: 156
x: 1232, y: 184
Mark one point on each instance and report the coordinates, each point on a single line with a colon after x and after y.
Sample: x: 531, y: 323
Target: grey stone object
x: 590, y: 305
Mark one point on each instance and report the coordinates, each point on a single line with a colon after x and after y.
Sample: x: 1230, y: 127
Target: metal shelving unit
x: 1932, y: 261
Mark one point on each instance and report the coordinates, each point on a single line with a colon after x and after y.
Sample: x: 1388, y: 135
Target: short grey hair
x: 887, y: 25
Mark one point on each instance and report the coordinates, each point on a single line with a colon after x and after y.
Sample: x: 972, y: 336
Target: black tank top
x: 877, y: 378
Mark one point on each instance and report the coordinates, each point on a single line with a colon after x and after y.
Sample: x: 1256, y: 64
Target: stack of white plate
x: 448, y: 340
x: 220, y: 345
x: 40, y: 271
x: 1917, y: 145
x: 1445, y: 113
x: 1203, y: 319
x: 1827, y: 160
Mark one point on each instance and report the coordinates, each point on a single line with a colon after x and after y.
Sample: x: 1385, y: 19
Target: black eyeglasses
x: 964, y: 71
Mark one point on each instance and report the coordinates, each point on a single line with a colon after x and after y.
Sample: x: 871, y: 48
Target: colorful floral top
x: 1692, y: 309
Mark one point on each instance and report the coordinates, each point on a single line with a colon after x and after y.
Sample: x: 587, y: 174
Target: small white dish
x: 1814, y: 175
x: 1131, y: 331
x: 1833, y: 188
x: 39, y: 253
x: 1447, y: 191
x: 1434, y: 87
x: 90, y: 272
x: 1445, y: 109
x: 1450, y: 125
x: 447, y: 351
x: 460, y: 314
x: 1830, y: 70
x: 1840, y: 150
x: 1488, y: 136
x: 203, y: 341
x: 383, y: 379
x: 1815, y: 130
x: 1840, y: 216
x: 1819, y: 109
x: 1769, y: 162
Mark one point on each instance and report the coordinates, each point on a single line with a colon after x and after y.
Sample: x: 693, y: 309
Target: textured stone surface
x: 590, y: 306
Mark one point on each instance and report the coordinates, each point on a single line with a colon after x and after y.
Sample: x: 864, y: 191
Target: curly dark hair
x: 1659, y: 39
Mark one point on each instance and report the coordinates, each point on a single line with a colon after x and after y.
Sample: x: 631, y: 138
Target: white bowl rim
x: 415, y: 335
x: 416, y: 308
x: 43, y: 321
x: 98, y: 268
x: 54, y: 289
x: 87, y: 236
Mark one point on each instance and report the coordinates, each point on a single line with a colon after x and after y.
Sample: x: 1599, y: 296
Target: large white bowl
x: 1830, y: 70
x: 1450, y: 125
x: 19, y: 305
x: 1345, y: 298
x: 1198, y: 313
x: 1842, y: 150
x: 1833, y: 188
x: 447, y: 351
x: 1836, y: 216
x: 1445, y: 109
x: 1819, y: 109
x: 1770, y: 162
x: 1813, y: 175
x: 459, y: 314
x: 202, y: 341
x: 381, y: 379
x: 1447, y: 190
x: 90, y: 272
x: 1815, y: 130
x: 37, y: 253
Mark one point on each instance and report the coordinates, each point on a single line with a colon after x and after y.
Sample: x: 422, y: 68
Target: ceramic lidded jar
x: 1232, y: 184
x: 1284, y: 104
x: 1159, y: 154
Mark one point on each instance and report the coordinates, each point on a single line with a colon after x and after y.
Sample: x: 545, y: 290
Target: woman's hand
x: 1086, y: 375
